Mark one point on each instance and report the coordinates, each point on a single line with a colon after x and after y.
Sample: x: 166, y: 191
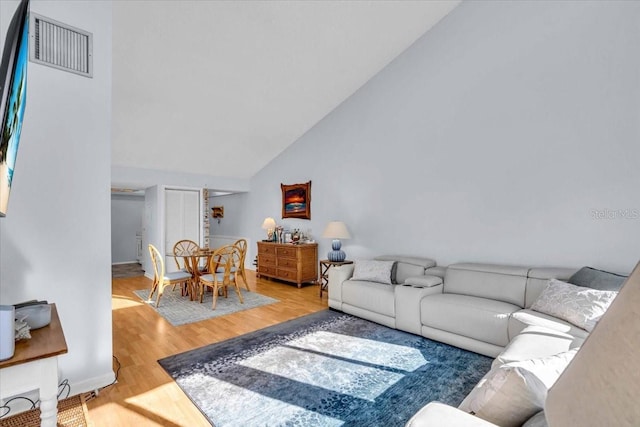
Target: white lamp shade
x: 336, y: 230
x: 269, y: 223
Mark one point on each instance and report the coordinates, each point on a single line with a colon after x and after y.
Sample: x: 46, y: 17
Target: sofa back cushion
x: 497, y: 282
x: 406, y: 267
x: 597, y: 279
x: 538, y: 279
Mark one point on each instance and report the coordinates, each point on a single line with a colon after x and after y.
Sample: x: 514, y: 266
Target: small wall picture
x: 296, y: 200
x: 217, y: 211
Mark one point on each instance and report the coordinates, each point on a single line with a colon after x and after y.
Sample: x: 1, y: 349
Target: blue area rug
x: 324, y: 369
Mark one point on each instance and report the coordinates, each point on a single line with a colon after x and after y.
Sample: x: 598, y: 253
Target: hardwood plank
x: 145, y: 395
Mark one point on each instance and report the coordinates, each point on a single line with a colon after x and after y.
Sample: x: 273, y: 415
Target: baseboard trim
x: 75, y: 388
x: 91, y: 384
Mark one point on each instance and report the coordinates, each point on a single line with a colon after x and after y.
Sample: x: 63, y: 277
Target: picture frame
x: 296, y: 200
x: 217, y: 211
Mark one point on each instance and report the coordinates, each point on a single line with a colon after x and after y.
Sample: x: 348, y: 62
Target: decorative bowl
x: 36, y: 316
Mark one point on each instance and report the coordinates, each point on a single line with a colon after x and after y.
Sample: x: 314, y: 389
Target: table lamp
x: 336, y: 230
x: 269, y: 224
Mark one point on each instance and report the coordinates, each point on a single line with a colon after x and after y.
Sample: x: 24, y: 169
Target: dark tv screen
x: 13, y: 90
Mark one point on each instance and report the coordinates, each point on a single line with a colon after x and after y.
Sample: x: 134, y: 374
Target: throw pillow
x: 373, y: 271
x: 597, y: 279
x: 578, y: 305
x: 511, y: 394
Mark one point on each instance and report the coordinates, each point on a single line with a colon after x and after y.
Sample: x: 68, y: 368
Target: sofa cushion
x: 373, y: 271
x: 597, y: 279
x: 527, y: 317
x: 497, y: 282
x: 581, y: 306
x: 372, y: 296
x: 423, y: 281
x: 478, y: 318
x: 536, y: 342
x: 407, y: 266
x: 512, y: 393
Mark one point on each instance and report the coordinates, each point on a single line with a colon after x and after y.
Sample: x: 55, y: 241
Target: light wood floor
x: 145, y: 395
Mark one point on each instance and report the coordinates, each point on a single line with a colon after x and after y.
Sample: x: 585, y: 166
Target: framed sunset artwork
x: 296, y: 200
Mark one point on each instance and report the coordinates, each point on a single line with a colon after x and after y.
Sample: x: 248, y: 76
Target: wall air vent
x: 60, y: 45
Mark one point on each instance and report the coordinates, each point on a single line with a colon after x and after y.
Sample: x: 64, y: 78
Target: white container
x: 36, y: 316
x: 7, y: 332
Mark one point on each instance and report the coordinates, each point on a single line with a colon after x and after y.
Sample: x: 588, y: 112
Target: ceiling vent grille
x: 60, y: 46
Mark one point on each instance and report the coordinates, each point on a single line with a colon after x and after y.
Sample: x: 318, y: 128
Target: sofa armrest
x: 423, y: 281
x: 441, y: 415
x: 338, y: 274
x: 407, y: 305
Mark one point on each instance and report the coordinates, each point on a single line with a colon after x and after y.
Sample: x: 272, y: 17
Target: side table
x: 34, y: 365
x: 325, y: 265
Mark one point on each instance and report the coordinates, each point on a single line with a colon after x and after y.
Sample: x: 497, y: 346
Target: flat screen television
x: 13, y: 97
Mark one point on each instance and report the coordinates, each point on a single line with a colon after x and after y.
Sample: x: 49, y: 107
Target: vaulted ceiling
x: 222, y: 87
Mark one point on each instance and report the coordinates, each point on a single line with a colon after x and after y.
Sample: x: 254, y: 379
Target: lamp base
x: 336, y: 255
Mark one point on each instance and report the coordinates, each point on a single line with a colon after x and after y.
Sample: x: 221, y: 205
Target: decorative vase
x: 336, y: 255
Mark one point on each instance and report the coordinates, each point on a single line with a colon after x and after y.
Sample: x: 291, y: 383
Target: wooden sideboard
x: 288, y: 262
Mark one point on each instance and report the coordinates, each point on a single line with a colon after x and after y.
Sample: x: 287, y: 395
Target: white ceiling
x: 222, y: 87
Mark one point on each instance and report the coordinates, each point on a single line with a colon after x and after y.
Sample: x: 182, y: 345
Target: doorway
x: 182, y: 221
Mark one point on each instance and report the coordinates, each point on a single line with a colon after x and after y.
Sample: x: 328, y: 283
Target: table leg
x: 195, y: 277
x: 324, y: 277
x: 49, y: 392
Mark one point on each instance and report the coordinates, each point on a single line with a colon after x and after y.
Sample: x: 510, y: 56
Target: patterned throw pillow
x: 373, y: 271
x: 510, y: 394
x: 578, y: 305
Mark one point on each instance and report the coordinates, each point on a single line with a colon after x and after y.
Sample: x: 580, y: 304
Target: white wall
x: 499, y: 136
x: 231, y: 227
x: 152, y: 225
x: 234, y: 215
x: 126, y: 222
x: 55, y: 242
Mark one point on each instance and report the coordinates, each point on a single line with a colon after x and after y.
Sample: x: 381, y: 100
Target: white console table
x: 34, y: 366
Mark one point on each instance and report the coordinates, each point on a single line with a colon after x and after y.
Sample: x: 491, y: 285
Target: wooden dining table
x: 192, y: 260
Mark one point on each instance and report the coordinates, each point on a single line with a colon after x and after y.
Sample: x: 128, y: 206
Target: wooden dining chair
x: 184, y: 246
x: 223, y: 264
x: 242, y: 245
x: 161, y: 278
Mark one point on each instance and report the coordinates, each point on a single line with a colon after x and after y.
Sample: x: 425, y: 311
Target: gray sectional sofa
x: 483, y: 308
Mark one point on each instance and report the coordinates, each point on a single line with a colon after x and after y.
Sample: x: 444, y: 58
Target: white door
x: 182, y: 221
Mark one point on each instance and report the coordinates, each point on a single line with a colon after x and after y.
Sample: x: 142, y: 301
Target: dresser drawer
x: 266, y: 249
x: 285, y: 252
x: 266, y: 270
x: 290, y: 275
x: 290, y: 263
x: 267, y: 260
